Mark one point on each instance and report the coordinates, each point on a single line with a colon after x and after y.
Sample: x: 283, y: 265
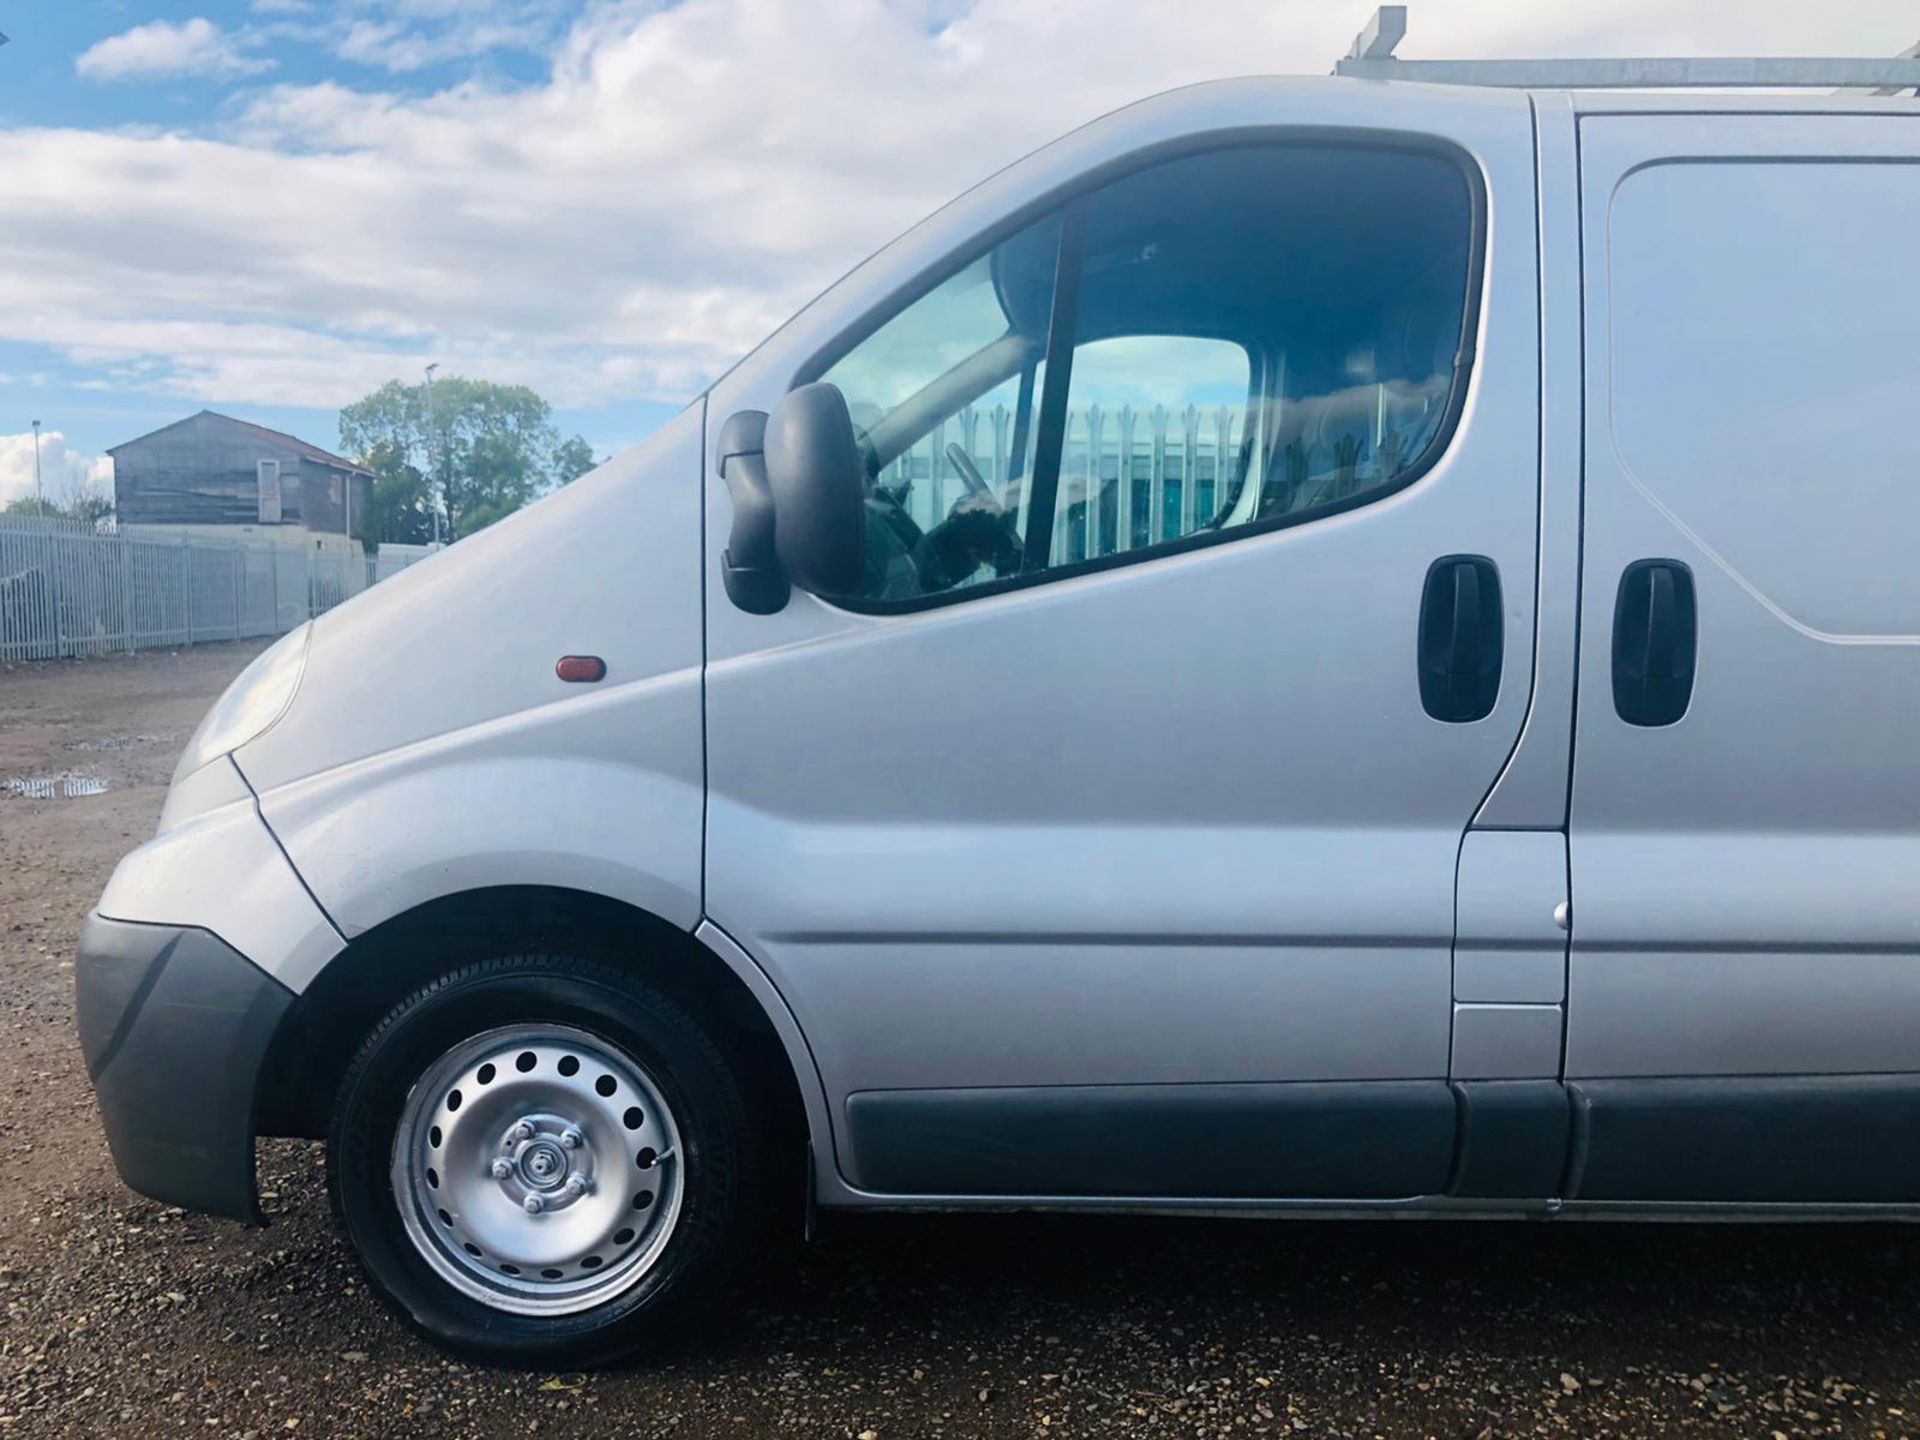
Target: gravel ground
x: 122, y: 1317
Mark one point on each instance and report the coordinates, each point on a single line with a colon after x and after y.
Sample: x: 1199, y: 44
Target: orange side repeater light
x: 580, y: 669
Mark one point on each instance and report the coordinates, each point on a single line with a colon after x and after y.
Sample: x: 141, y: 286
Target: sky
x: 271, y: 207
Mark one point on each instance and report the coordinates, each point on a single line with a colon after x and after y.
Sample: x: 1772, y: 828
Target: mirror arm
x: 752, y: 572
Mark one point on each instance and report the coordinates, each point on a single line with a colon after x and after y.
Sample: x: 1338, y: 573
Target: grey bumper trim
x: 175, y: 1025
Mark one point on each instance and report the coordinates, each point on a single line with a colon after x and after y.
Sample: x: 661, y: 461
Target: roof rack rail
x: 1372, y: 58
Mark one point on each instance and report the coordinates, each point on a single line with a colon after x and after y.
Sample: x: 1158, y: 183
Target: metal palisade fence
x: 67, y: 588
x: 1128, y: 477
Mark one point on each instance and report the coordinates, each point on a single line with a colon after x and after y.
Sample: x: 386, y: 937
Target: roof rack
x: 1372, y: 58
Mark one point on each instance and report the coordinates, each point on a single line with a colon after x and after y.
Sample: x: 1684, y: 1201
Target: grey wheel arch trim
x: 829, y: 1184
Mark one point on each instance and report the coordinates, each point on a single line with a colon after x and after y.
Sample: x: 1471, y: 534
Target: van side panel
x: 498, y: 772
x: 1743, y: 879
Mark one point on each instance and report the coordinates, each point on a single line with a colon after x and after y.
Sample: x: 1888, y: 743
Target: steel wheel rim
x: 537, y: 1169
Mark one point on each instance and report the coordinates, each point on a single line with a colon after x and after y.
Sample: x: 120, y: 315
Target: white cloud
x: 161, y: 48
x: 64, y: 474
x: 403, y: 36
x: 399, y: 46
x: 685, y: 177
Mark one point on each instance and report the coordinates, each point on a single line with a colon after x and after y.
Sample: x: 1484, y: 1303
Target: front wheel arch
x: 321, y: 1032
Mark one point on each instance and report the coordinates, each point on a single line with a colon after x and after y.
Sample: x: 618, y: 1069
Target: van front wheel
x: 543, y: 1160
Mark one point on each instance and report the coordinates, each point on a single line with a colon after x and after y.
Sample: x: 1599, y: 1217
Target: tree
x: 401, y: 507
x: 572, y: 459
x: 484, y: 451
x: 91, y: 509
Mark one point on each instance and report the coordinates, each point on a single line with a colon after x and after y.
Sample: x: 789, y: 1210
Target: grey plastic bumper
x: 174, y: 1025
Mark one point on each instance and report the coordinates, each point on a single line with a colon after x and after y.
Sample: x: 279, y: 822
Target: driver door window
x: 1235, y: 340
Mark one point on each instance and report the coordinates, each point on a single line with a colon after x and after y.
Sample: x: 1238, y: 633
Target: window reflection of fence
x: 1152, y: 474
x: 68, y: 589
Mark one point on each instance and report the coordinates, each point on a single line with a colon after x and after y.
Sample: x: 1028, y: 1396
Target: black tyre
x: 545, y: 1161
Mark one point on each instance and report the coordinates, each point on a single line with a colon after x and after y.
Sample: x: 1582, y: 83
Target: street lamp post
x: 433, y: 463
x: 38, y: 493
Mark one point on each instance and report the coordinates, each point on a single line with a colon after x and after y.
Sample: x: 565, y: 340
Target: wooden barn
x: 211, y: 470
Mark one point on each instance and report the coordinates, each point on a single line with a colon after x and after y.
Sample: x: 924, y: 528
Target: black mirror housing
x: 817, y: 477
x: 748, y: 566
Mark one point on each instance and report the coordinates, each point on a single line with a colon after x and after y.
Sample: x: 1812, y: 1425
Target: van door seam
x: 260, y: 811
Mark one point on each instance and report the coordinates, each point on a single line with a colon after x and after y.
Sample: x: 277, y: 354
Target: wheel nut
x: 572, y: 1138
x: 502, y: 1169
x: 523, y: 1130
x: 576, y: 1186
x: 533, y: 1204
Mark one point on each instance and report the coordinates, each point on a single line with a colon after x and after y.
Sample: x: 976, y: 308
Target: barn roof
x: 311, y: 451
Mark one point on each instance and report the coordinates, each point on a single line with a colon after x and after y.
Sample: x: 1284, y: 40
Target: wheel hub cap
x: 537, y: 1169
x: 542, y: 1164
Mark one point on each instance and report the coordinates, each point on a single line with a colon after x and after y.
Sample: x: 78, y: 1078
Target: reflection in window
x: 1154, y: 424
x: 1320, y: 292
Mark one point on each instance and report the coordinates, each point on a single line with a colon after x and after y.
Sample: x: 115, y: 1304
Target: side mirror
x: 817, y: 477
x: 797, y: 482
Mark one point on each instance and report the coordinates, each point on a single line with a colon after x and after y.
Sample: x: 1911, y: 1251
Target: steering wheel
x: 970, y: 477
x: 978, y: 531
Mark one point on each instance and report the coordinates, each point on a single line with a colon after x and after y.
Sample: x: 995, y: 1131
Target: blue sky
x: 39, y: 87
x: 46, y: 39
x: 270, y: 207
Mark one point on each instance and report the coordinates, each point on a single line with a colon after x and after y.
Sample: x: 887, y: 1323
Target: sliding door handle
x: 1656, y: 632
x: 1462, y: 630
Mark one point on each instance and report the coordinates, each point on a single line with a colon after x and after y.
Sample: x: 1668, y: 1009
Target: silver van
x: 1317, y: 646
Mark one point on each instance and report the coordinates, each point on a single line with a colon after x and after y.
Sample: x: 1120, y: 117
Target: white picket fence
x: 67, y: 588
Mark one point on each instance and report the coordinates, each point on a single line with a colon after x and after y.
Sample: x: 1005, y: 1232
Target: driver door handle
x: 1462, y: 630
